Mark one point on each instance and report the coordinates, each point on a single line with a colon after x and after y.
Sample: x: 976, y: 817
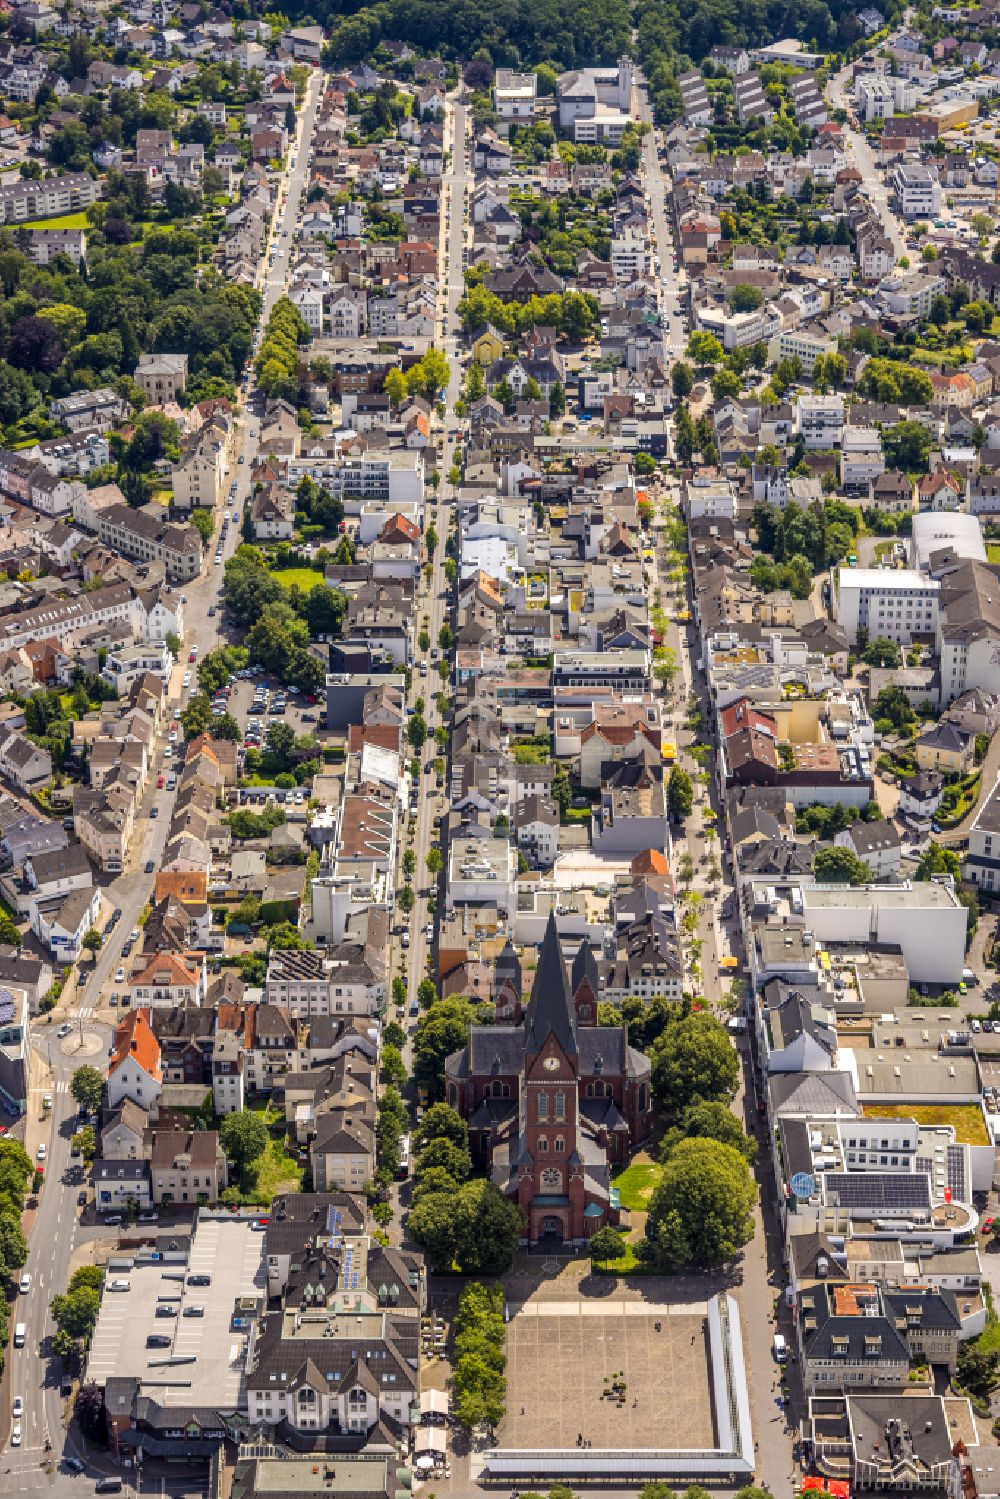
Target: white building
x: 875, y: 96
x: 821, y: 420
x: 802, y: 344
x: 514, y: 96
x: 886, y: 603
x: 917, y: 190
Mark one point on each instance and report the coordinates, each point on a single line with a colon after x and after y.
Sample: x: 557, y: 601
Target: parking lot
x: 204, y: 1361
x: 257, y: 702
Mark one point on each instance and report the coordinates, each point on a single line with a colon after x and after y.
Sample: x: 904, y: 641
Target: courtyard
x: 562, y: 1355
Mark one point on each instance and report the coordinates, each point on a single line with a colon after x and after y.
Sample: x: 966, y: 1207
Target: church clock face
x: 552, y: 1064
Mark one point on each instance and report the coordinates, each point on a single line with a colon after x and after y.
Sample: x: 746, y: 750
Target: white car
x: 24, y: 1287
x: 42, y: 1152
x: 120, y: 976
x: 15, y: 1436
x: 186, y: 680
x: 18, y: 1407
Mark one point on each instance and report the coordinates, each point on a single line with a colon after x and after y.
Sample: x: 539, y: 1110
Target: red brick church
x: 554, y: 1102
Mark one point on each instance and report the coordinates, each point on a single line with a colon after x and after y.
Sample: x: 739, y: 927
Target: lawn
x: 63, y: 221
x: 627, y: 1265
x: 305, y: 577
x: 993, y: 551
x: 636, y: 1183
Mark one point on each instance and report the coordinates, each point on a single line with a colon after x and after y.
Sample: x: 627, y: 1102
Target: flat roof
x: 920, y: 895
x: 232, y: 1253
x: 310, y: 1475
x: 891, y: 579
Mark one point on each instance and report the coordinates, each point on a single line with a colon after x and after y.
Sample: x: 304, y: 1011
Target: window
x: 543, y: 1144
x: 560, y: 1106
x: 543, y: 1106
x: 560, y: 1144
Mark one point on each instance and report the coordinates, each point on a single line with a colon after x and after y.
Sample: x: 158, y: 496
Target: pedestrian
x: 522, y: 1407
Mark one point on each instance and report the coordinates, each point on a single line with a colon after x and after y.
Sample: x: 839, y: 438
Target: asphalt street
x: 873, y: 183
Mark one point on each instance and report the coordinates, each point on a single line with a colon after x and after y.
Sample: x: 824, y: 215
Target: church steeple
x: 551, y: 1010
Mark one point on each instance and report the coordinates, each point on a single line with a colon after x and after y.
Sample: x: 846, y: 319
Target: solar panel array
x: 955, y: 1173
x: 883, y: 1191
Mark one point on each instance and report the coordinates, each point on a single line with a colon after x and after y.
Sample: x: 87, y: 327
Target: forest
x: 578, y: 33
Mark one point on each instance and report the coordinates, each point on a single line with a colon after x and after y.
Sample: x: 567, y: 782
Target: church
x: 554, y: 1102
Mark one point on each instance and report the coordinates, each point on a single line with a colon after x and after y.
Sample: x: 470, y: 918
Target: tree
x: 681, y: 380
x: 489, y: 1228
x: 87, y: 1087
x: 443, y: 1029
x: 92, y: 940
x: 480, y: 1393
x: 976, y: 1371
x: 443, y: 1154
x: 701, y: 1213
x: 406, y: 899
x: 937, y: 860
x: 393, y: 1067
x: 907, y: 446
x: 725, y: 383
x: 395, y: 387
x: 744, y: 297
x: 85, y: 1142
x: 680, y: 794
x: 606, y: 1244
x: 204, y: 523
x: 434, y: 860
x: 693, y: 1061
x: 243, y: 1136
x: 88, y: 1408
x: 75, y: 1313
x: 709, y: 1121
x: 893, y: 704
x: 882, y: 652
x: 426, y: 993
x: 441, y: 1122
x: 704, y: 348
x: 841, y: 866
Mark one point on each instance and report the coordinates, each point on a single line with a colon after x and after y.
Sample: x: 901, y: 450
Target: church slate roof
x: 551, y: 1010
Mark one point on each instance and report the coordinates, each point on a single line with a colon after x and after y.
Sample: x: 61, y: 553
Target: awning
x: 433, y: 1403
x: 432, y: 1439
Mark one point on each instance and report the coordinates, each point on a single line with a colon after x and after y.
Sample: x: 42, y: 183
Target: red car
x: 160, y: 783
x: 193, y: 656
x: 987, y: 1225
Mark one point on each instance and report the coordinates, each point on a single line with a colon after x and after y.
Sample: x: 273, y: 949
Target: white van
x: 779, y: 1348
x: 20, y: 1333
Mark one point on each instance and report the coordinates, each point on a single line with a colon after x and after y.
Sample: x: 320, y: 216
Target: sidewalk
x: 37, y: 1129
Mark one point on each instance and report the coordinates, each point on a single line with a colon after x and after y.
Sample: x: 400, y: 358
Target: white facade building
x: 883, y: 603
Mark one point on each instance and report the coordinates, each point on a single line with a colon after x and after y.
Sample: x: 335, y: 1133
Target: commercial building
x: 897, y: 604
